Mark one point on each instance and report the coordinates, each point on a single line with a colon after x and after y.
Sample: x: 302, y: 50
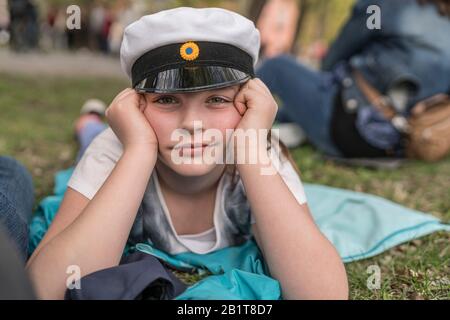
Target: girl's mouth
x: 195, y: 146
x: 193, y: 149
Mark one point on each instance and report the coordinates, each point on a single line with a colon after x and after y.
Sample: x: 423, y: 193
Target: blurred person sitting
x: 16, y: 202
x: 277, y: 24
x: 16, y: 205
x: 406, y: 60
x: 89, y: 124
x: 16, y: 185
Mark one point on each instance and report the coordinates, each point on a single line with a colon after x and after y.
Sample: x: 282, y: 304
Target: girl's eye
x: 166, y: 100
x: 217, y: 100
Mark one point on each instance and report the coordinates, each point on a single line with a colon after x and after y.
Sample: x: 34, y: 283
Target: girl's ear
x: 142, y: 102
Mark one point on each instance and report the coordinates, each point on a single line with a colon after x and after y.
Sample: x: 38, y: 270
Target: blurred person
x: 47, y: 36
x: 115, y: 37
x: 54, y: 29
x: 16, y: 206
x: 16, y: 185
x: 407, y: 60
x: 97, y: 18
x: 277, y: 24
x: 4, y: 14
x: 106, y: 30
x: 16, y: 202
x: 59, y: 29
x: 4, y: 22
x: 124, y: 14
x: 24, y: 28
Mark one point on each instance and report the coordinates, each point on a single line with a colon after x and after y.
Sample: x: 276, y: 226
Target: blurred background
x: 40, y: 25
x: 47, y: 72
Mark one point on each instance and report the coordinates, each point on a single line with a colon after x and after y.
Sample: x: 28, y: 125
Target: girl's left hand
x: 256, y: 105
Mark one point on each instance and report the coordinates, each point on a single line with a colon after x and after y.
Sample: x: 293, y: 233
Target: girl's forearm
x: 95, y: 240
x: 298, y: 255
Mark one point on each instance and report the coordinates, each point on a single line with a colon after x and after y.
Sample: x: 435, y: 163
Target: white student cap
x: 188, y: 49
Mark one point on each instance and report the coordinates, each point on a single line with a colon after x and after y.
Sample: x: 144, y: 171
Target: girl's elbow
x: 339, y: 289
x: 332, y: 286
x: 340, y: 292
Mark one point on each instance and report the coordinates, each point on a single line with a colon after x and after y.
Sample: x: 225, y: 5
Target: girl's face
x: 178, y: 118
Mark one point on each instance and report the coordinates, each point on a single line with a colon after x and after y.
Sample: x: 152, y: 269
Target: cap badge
x: 189, y: 51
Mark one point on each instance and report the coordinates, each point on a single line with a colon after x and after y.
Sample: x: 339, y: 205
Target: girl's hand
x: 258, y: 109
x: 126, y: 118
x: 257, y: 106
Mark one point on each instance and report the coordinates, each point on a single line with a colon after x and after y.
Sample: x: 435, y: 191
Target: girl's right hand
x: 127, y: 120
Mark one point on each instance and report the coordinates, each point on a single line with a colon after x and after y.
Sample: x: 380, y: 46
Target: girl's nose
x: 192, y: 119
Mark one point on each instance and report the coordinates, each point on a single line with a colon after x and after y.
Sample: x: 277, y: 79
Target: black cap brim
x: 191, y: 66
x: 192, y: 79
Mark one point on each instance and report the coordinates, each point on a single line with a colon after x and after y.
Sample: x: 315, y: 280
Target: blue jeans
x: 307, y: 98
x: 86, y: 135
x: 16, y: 202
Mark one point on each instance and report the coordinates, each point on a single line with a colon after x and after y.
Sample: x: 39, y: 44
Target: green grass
x: 36, y: 127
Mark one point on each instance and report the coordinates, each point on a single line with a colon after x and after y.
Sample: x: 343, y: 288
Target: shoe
x: 291, y: 134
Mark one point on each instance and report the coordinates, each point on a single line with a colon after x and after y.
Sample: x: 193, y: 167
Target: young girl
x: 129, y: 187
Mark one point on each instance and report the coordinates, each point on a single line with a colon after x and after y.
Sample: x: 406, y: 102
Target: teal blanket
x: 358, y: 224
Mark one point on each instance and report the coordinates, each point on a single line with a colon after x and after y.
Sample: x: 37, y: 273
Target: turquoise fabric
x: 361, y: 225
x: 47, y: 209
x: 237, y: 273
x: 358, y: 224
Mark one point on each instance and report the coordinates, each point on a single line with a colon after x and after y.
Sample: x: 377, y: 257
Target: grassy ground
x: 36, y: 124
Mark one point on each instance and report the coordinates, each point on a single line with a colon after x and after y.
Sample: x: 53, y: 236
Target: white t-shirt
x: 153, y: 223
x: 200, y: 242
